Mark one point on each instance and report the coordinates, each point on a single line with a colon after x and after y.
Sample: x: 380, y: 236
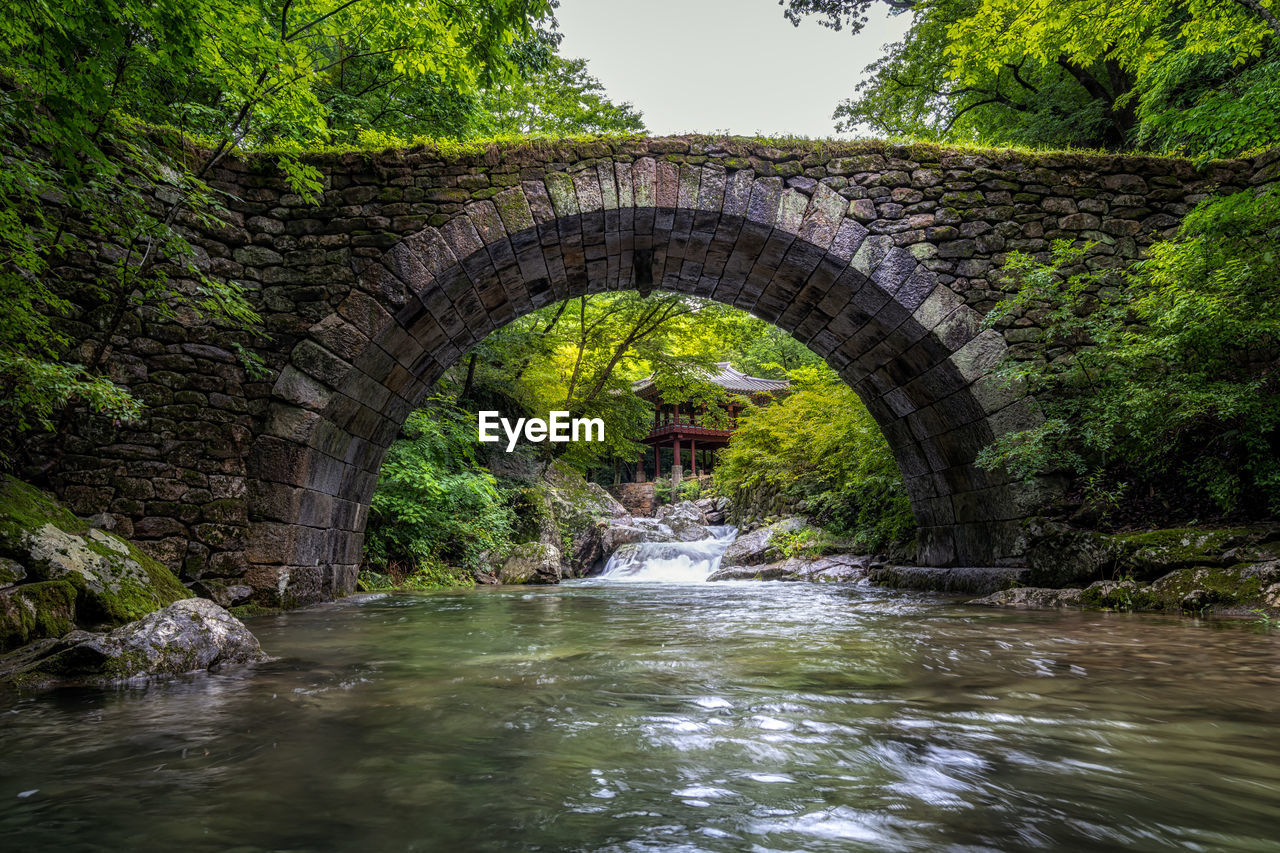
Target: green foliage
x: 689, y: 490
x: 662, y: 490
x: 1163, y: 377
x: 1195, y: 77
x: 1208, y: 105
x: 558, y: 99
x: 819, y: 444
x: 805, y: 542
x: 115, y: 113
x: 435, y: 506
x: 582, y: 356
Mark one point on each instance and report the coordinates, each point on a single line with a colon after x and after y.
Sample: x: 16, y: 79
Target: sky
x: 722, y: 65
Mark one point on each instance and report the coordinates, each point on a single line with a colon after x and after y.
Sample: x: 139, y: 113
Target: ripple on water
x: 638, y: 717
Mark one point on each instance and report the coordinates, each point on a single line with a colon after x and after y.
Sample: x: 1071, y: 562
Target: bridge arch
x: 792, y: 251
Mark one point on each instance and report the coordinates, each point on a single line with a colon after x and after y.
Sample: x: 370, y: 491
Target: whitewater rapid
x: 670, y: 562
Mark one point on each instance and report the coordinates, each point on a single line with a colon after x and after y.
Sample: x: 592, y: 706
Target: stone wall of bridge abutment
x: 881, y: 258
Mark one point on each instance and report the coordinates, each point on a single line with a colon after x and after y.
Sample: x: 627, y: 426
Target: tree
x: 559, y: 99
x: 583, y: 354
x: 79, y: 87
x: 1074, y: 73
x: 436, y: 508
x: 820, y: 445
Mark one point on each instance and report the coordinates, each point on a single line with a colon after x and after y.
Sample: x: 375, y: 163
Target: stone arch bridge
x: 881, y: 258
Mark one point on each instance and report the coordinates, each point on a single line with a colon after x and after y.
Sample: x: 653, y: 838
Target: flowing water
x: 670, y: 562
x: 643, y: 717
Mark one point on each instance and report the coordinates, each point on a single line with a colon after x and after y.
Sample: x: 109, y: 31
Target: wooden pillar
x: 693, y: 456
x: 657, y: 462
x: 676, y: 471
x: 640, y: 477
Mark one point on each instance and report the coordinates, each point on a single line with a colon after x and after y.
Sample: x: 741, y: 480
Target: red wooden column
x: 657, y: 462
x: 640, y: 478
x: 693, y: 456
x: 675, y: 462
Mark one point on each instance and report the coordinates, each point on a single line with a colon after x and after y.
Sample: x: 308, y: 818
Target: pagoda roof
x: 727, y: 378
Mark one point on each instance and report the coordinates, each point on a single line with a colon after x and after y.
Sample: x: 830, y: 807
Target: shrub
x: 435, y: 506
x: 819, y: 444
x: 1164, y: 377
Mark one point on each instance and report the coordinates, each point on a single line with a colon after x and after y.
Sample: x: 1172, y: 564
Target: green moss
x: 24, y: 507
x: 244, y: 611
x: 37, y: 610
x: 133, y: 597
x: 124, y: 583
x: 1199, y: 589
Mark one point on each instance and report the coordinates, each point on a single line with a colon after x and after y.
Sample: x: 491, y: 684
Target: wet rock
x: 757, y: 547
x: 1124, y: 594
x: 187, y: 636
x: 1198, y: 600
x: 686, y: 521
x: 614, y: 536
x: 712, y: 511
x: 772, y: 572
x: 691, y: 510
x: 972, y: 580
x: 1031, y: 597
x: 531, y: 563
x: 582, y: 511
x: 224, y: 594
x: 835, y: 568
x: 1060, y: 555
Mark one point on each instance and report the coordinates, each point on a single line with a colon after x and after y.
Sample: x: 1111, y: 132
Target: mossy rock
x: 1233, y: 589
x: 1155, y: 553
x: 35, y: 611
x: 114, y: 582
x: 1063, y: 556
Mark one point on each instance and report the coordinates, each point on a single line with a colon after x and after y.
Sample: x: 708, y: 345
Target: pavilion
x: 677, y: 424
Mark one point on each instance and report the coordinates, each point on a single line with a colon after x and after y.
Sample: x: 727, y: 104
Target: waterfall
x: 670, y: 562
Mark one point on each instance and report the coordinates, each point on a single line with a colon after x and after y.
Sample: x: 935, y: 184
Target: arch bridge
x: 882, y: 259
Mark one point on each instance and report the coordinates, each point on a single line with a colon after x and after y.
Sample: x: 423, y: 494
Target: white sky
x: 722, y: 65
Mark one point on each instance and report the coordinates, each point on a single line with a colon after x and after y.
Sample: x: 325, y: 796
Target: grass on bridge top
x: 579, y: 147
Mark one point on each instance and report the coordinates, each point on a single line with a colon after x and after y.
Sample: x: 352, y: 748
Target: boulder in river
x: 187, y: 636
x: 834, y: 568
x: 970, y: 580
x: 687, y: 522
x: 582, y: 511
x: 531, y: 563
x: 58, y: 573
x: 1031, y: 597
x: 758, y: 547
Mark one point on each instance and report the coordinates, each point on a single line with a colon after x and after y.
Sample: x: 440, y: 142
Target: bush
x: 819, y: 444
x: 435, y: 506
x: 689, y: 490
x: 662, y: 490
x: 1164, y: 380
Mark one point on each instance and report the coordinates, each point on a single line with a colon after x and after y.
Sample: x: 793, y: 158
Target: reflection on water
x: 720, y: 717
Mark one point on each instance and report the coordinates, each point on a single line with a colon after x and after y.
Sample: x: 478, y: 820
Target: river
x: 680, y: 716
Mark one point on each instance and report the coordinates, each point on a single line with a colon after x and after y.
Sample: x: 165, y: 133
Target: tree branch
x: 1264, y: 13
